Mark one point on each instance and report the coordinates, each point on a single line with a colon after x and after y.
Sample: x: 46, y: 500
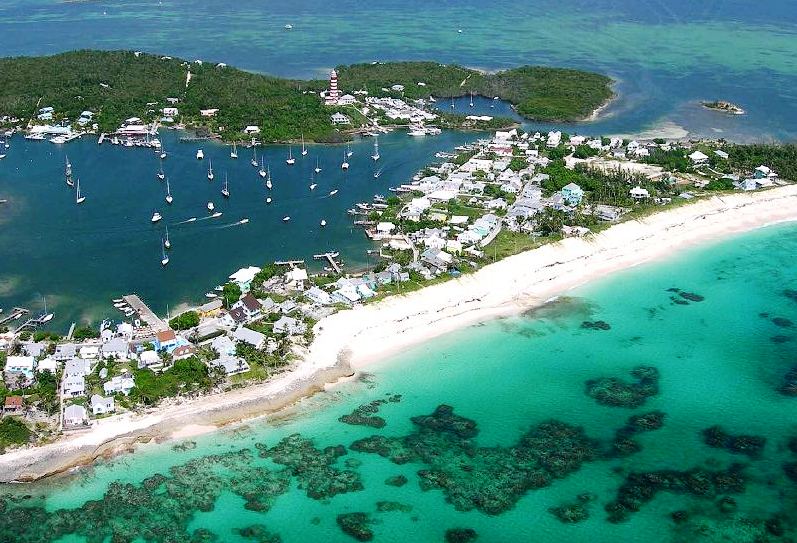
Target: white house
x: 252, y: 337
x: 74, y: 386
x: 339, y: 118
x: 698, y: 158
x: 148, y: 359
x: 232, y: 365
x: 65, y: 351
x: 21, y: 364
x: 77, y: 367
x: 90, y: 351
x: 75, y: 415
x: 290, y: 326
x: 223, y: 345
x: 120, y: 384
x: 116, y: 348
x: 252, y: 129
x: 638, y: 193
x: 101, y: 405
x: 318, y: 296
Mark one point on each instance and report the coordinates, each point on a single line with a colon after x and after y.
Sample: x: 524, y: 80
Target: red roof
x: 166, y: 336
x: 13, y: 401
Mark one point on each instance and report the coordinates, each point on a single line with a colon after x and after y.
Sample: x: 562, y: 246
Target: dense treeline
x: 781, y: 158
x: 537, y: 92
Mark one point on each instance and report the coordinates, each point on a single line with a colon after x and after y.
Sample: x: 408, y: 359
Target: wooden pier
x: 15, y: 313
x: 330, y: 257
x: 289, y: 262
x: 145, y: 313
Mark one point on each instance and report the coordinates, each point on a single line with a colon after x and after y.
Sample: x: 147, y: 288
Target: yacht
x: 253, y: 162
x: 216, y: 215
x: 334, y: 192
x: 375, y: 156
x: 234, y: 152
x: 323, y: 222
x: 200, y: 154
x: 2, y: 157
x: 288, y: 26
x: 166, y: 243
x: 313, y: 186
x: 317, y: 167
x: 243, y: 221
x: 156, y: 217
x: 345, y: 164
x: 268, y: 178
x: 262, y: 172
x: 161, y: 175
x: 286, y: 218
x: 165, y: 258
x: 211, y: 207
x: 169, y: 198
x: 304, y: 149
x: 210, y: 170
x: 290, y: 161
x: 163, y: 153
x: 268, y: 200
x: 78, y: 198
x: 226, y: 190
x: 377, y: 173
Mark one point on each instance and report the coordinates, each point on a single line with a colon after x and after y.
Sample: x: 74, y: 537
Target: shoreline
x: 351, y: 340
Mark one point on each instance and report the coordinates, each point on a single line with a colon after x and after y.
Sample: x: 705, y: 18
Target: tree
x: 185, y: 321
x: 231, y: 293
x: 85, y: 332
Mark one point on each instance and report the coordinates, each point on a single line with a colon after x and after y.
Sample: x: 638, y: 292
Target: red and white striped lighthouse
x: 332, y: 94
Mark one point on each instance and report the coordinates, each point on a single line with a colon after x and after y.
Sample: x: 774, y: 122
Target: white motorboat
x: 156, y: 217
x: 216, y: 215
x: 286, y: 219
x: 211, y: 295
x: 2, y: 157
x: 211, y: 207
x: 323, y: 222
x: 288, y: 27
x: 349, y: 152
x: 243, y: 221
x: 200, y: 154
x: 376, y: 156
x: 268, y: 200
x: 334, y: 192
x: 313, y: 186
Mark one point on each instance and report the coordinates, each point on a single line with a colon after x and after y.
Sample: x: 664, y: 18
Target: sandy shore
x: 352, y: 339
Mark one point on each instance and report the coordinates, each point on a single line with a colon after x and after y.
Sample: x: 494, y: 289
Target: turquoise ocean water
x: 716, y: 323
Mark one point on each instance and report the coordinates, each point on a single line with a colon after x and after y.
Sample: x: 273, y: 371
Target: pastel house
x: 572, y: 194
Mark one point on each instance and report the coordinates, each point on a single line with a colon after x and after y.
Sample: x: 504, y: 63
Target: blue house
x: 572, y: 194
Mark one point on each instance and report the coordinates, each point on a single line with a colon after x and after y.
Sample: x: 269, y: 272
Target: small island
x: 131, y: 94
x: 724, y: 107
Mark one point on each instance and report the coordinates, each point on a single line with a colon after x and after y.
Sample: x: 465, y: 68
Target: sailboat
x: 210, y: 170
x: 234, y: 152
x: 262, y: 172
x: 317, y: 167
x: 375, y: 156
x: 290, y: 161
x: 345, y: 164
x: 45, y: 317
x: 304, y: 150
x: 452, y: 102
x: 226, y: 190
x: 68, y: 173
x: 377, y: 173
x: 471, y: 98
x: 166, y: 243
x: 169, y: 198
x: 161, y: 175
x: 163, y: 153
x: 253, y: 162
x: 78, y: 198
x: 268, y: 179
x: 349, y: 152
x: 165, y: 258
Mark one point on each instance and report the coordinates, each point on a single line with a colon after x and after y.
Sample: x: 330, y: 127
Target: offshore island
x: 494, y: 228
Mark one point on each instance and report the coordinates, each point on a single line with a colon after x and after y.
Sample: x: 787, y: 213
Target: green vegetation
x: 231, y: 293
x: 538, y: 93
x: 781, y: 158
x: 185, y: 321
x: 267, y: 271
x: 184, y: 377
x: 674, y: 160
x: 13, y: 432
x: 85, y: 332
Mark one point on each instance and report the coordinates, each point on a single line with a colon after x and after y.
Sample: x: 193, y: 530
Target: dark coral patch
x: 616, y: 392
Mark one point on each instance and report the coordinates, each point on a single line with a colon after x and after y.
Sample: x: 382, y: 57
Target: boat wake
x: 192, y: 219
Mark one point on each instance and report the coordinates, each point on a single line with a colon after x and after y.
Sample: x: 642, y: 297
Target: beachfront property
x: 101, y: 405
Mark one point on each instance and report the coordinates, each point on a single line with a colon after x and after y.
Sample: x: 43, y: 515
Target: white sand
x: 372, y: 332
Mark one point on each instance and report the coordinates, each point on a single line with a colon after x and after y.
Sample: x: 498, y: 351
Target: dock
x: 145, y: 313
x: 14, y: 314
x: 330, y: 257
x: 101, y: 139
x: 289, y: 262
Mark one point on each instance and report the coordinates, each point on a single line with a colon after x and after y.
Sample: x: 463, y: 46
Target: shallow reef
x: 640, y: 488
x: 490, y: 479
x: 616, y: 392
x: 313, y: 467
x: 356, y: 525
x: 729, y: 525
x: 789, y: 386
x: 624, y: 443
x: 572, y: 512
x: 396, y: 480
x: 683, y: 297
x: 717, y: 438
x: 389, y: 506
x: 365, y: 415
x: 461, y: 535
x: 259, y: 534
x: 596, y: 325
x: 791, y: 294
x: 782, y: 322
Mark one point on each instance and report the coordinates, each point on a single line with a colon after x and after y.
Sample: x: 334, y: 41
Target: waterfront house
x: 295, y: 278
x: 101, y: 405
x: 252, y: 337
x: 211, y: 308
x: 90, y: 351
x: 223, y: 345
x: 13, y: 404
x: 115, y: 348
x: 121, y: 384
x: 165, y: 340
x: 149, y: 359
x: 572, y: 194
x: 47, y: 364
x: 289, y: 326
x: 21, y: 364
x: 638, y: 193
x: 77, y: 367
x: 437, y: 259
x: 698, y: 157
x: 318, y: 296
x: 209, y: 112
x: 64, y: 352
x: 34, y: 349
x: 287, y: 307
x: 249, y: 305
x: 251, y: 130
x: 75, y: 415
x: 73, y: 386
x: 339, y: 118
x: 125, y: 331
x: 243, y: 277
x: 232, y: 365
x: 607, y: 212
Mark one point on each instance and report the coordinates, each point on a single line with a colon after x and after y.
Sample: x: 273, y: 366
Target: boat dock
x: 289, y: 262
x: 14, y: 314
x: 145, y: 313
x: 33, y: 323
x: 330, y: 257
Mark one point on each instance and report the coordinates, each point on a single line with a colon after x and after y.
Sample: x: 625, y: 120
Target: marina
x: 143, y: 312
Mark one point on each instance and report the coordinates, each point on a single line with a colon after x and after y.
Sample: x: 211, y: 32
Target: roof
x: 249, y: 336
x: 250, y: 302
x: 166, y: 336
x: 13, y: 401
x: 75, y: 412
x: 571, y: 186
x: 183, y: 350
x: 238, y: 314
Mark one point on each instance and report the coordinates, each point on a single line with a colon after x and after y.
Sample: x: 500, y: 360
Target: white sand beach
x: 356, y: 338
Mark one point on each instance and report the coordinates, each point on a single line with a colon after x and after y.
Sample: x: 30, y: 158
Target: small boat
x: 334, y: 192
x: 192, y: 219
x: 375, y: 156
x: 216, y: 215
x: 211, y: 295
x: 120, y: 306
x: 459, y: 31
x: 345, y: 164
x: 471, y: 98
x: 377, y: 173
x: 288, y: 27
x: 169, y: 198
x: 262, y: 172
x: 118, y: 300
x: 304, y: 149
x: 218, y: 288
x: 210, y: 170
x: 2, y: 157
x: 286, y: 219
x: 226, y: 190
x: 323, y: 222
x: 349, y: 152
x: 269, y: 185
x: 452, y: 103
x: 211, y: 207
x: 268, y: 200
x: 156, y: 217
x: 166, y: 243
x: 313, y: 186
x: 290, y: 161
x: 163, y: 154
x: 268, y: 178
x: 165, y: 259
x: 234, y: 152
x: 78, y: 198
x: 243, y: 221
x: 200, y: 154
x: 317, y: 167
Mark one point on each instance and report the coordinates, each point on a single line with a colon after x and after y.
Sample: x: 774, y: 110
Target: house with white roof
x: 638, y: 193
x: 223, y: 345
x: 75, y: 415
x: 698, y: 157
x: 73, y: 386
x: 232, y: 365
x: 289, y: 326
x: 65, y: 351
x: 101, y: 405
x: 252, y: 337
x: 90, y: 351
x: 115, y: 348
x: 21, y: 364
x: 318, y: 296
x: 121, y: 384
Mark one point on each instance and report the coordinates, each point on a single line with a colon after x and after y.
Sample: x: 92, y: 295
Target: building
x: 638, y: 193
x: 165, y: 340
x: 183, y: 351
x: 232, y: 365
x: 347, y: 100
x: 289, y: 326
x: 73, y: 386
x: 77, y: 367
x: 252, y: 337
x: 339, y: 118
x: 243, y: 277
x: 318, y: 296
x: 698, y: 158
x: 333, y: 94
x: 75, y: 415
x: 90, y: 351
x: 572, y: 194
x: 64, y: 352
x: 115, y: 348
x: 121, y: 384
x: 211, y: 308
x: 21, y: 364
x: 250, y: 306
x: 149, y: 359
x: 13, y: 404
x: 101, y: 405
x: 223, y: 345
x: 252, y: 130
x: 209, y: 112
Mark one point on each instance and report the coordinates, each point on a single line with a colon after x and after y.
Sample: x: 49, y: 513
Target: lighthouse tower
x: 332, y: 94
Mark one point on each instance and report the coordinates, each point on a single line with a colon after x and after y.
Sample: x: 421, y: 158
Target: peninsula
x: 101, y: 91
